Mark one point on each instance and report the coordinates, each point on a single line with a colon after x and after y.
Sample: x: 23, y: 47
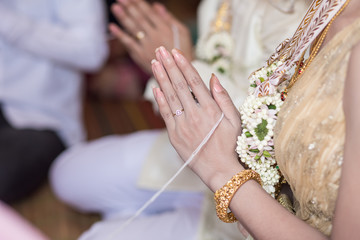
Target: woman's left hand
x: 189, y: 120
x: 147, y: 27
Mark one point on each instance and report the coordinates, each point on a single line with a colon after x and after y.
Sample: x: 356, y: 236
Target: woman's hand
x: 217, y: 162
x: 146, y: 27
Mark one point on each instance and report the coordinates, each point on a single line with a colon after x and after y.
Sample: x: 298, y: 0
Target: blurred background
x: 113, y: 104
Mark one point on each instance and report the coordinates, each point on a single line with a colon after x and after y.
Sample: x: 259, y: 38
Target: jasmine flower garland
x: 218, y: 46
x: 217, y: 51
x: 255, y: 146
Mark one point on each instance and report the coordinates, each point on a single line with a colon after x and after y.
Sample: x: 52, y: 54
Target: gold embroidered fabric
x: 310, y: 131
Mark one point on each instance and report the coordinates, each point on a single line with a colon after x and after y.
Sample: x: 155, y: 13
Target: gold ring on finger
x: 140, y: 35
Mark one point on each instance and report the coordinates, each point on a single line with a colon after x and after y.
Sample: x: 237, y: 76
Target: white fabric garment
x: 44, y: 46
x: 101, y: 176
x: 116, y: 174
x: 181, y: 223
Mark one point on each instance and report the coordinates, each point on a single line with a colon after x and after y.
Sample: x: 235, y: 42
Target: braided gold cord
x: 315, y: 50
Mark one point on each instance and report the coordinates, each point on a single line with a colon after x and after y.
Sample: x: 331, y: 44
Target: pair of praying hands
x: 189, y: 119
x: 146, y: 27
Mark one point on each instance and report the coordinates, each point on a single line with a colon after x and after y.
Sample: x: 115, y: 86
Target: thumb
x: 224, y: 101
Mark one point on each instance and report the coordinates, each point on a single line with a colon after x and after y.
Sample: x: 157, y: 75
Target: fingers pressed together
x: 178, y: 81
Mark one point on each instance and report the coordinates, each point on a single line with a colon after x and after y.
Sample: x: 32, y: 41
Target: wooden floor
x: 54, y: 218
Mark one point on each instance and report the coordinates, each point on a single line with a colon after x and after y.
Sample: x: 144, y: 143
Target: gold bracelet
x: 224, y: 195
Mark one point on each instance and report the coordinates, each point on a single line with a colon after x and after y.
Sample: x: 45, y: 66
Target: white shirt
x: 44, y: 47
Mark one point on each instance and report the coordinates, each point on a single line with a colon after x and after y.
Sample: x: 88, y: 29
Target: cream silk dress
x: 310, y: 131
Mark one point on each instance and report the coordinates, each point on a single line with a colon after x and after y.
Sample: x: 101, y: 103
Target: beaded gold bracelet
x: 224, y: 195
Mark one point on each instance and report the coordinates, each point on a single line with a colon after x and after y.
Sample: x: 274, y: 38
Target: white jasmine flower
x: 258, y: 115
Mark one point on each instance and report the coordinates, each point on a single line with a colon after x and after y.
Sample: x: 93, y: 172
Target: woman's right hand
x: 147, y: 27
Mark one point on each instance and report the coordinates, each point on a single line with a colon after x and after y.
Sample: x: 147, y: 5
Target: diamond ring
x: 178, y: 112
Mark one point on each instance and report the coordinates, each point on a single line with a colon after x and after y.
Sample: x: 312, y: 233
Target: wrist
x: 220, y: 178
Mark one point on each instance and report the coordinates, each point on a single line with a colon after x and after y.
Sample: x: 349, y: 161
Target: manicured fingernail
x: 179, y: 51
x: 111, y: 27
x: 153, y: 61
x: 177, y: 55
x: 164, y: 52
x: 217, y: 86
x: 117, y: 9
x: 161, y: 6
x: 157, y: 49
x: 156, y: 68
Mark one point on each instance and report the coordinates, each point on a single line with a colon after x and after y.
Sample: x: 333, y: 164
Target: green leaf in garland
x: 261, y: 130
x: 254, y: 150
x: 221, y: 70
x: 248, y: 134
x: 262, y: 79
x: 215, y: 58
x: 257, y: 157
x: 271, y: 106
x: 253, y: 85
x: 266, y: 154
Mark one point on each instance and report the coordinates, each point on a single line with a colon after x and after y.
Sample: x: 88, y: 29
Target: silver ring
x: 140, y: 35
x: 178, y: 112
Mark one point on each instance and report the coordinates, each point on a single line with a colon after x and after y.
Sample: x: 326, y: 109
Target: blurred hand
x: 147, y: 27
x: 217, y: 162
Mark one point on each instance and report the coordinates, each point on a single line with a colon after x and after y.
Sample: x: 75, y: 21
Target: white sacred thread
x: 157, y: 194
x: 176, y: 36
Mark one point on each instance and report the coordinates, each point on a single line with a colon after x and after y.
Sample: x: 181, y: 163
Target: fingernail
x: 158, y: 55
x: 156, y: 50
x: 111, y: 26
x: 177, y: 55
x: 161, y: 6
x: 179, y: 51
x: 117, y: 9
x: 164, y: 52
x: 217, y: 86
x: 153, y: 61
x: 156, y: 67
